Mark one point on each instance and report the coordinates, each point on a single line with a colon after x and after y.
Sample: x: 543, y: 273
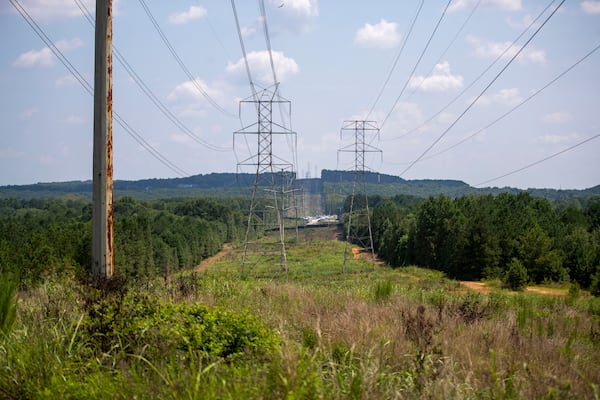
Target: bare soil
x: 227, y: 248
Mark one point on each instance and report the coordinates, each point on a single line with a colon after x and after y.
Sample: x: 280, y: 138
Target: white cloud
x: 506, y: 50
x: 558, y: 139
x: 405, y: 117
x: 67, y: 80
x: 507, y: 5
x: 440, y: 80
x: 556, y: 118
x: 384, y: 34
x: 260, y: 66
x: 41, y: 58
x: 304, y: 8
x: 591, y: 7
x: 249, y: 31
x: 189, y: 101
x: 54, y: 9
x: 292, y: 15
x: 504, y: 97
x: 193, y: 13
x: 520, y: 24
x: 181, y: 138
x: 44, y: 57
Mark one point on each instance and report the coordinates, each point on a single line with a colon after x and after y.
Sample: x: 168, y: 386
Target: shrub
x: 137, y: 323
x: 515, y: 277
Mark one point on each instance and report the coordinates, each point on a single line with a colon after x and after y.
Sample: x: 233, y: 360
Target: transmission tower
x: 273, y: 193
x: 358, y: 230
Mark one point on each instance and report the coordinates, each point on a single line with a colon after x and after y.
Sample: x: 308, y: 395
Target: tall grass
x: 394, y: 334
x: 8, y: 306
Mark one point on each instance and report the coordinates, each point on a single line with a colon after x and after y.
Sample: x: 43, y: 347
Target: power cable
x: 428, y: 120
x: 539, y: 161
x: 515, y: 107
x: 240, y: 36
x: 483, y: 91
x: 263, y: 15
x: 89, y: 89
x: 180, y: 61
x: 389, y: 75
x: 437, y: 25
x: 149, y: 93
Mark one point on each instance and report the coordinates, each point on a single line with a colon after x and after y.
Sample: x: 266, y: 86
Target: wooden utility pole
x: 102, y: 196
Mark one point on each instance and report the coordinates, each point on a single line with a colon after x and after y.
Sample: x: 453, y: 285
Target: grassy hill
x: 313, y: 332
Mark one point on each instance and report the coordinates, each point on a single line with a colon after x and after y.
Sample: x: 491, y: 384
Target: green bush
x: 515, y: 277
x: 137, y: 323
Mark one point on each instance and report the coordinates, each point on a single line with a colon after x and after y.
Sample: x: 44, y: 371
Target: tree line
x: 483, y: 236
x: 41, y: 237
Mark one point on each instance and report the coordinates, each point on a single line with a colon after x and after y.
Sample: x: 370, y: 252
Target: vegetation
x: 40, y: 238
x: 312, y: 332
x: 160, y: 329
x: 477, y: 237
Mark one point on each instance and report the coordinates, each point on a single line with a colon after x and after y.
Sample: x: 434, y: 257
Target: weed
x: 310, y: 339
x: 383, y: 291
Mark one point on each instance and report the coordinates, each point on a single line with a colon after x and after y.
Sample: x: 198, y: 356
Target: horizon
x: 303, y: 178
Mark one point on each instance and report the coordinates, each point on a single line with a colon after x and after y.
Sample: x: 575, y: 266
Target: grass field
x: 313, y: 332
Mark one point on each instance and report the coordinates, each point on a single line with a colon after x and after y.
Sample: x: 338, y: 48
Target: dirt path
x: 227, y: 248
x: 477, y: 286
x: 482, y: 288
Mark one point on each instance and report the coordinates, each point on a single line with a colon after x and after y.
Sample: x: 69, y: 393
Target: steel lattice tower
x: 272, y: 191
x: 359, y: 218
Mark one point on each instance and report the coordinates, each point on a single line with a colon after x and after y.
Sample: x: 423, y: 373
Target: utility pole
x: 358, y: 229
x: 102, y: 195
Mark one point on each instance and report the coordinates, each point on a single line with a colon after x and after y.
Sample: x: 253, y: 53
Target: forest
x: 515, y: 237
x: 44, y: 237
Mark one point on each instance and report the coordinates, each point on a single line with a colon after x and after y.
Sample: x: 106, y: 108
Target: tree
x: 515, y: 277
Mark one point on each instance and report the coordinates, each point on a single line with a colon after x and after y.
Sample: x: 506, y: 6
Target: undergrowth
x: 311, y: 333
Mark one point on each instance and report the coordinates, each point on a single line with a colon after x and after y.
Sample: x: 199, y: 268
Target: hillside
x: 227, y: 184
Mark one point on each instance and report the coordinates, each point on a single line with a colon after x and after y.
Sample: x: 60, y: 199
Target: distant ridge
x: 221, y: 184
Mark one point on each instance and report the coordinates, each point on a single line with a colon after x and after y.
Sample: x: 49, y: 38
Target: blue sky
x: 331, y: 59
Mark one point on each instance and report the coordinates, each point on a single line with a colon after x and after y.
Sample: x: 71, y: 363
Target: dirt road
x: 227, y: 248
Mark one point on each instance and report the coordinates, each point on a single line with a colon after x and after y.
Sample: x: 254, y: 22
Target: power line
x: 539, y: 161
x: 517, y: 106
x: 437, y: 25
x: 180, y: 61
x: 387, y: 79
x: 263, y: 15
x: 90, y: 90
x: 476, y: 79
x: 239, y: 32
x: 149, y: 93
x: 483, y: 91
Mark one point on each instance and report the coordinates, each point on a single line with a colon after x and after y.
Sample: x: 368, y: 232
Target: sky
x: 465, y: 100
